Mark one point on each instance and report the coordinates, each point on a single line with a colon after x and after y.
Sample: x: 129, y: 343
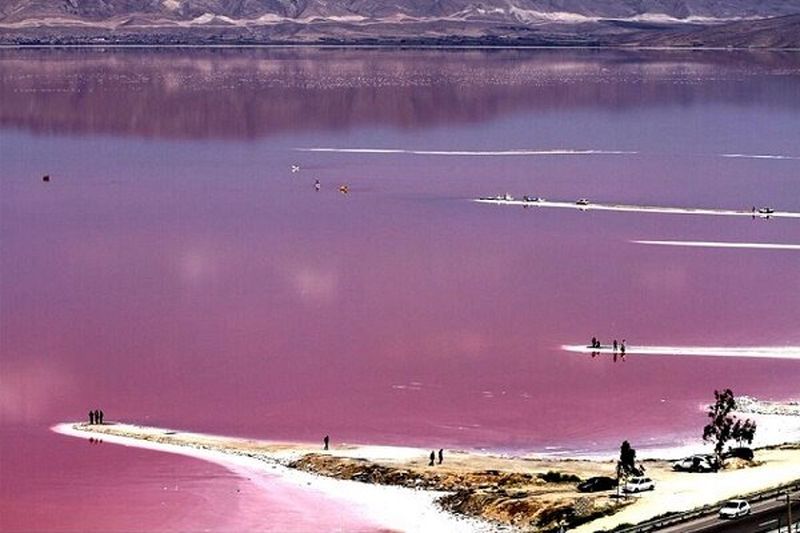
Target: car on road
x: 639, y: 484
x: 734, y: 509
x: 597, y: 484
x: 527, y: 198
x: 696, y: 463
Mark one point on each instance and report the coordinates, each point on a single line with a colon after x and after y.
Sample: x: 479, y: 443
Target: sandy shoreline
x: 471, y: 491
x: 410, y: 510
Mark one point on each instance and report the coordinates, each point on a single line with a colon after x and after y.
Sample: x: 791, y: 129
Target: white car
x: 639, y: 484
x: 734, y: 509
x: 695, y: 463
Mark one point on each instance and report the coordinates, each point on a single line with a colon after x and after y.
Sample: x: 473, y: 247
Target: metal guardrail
x: 677, y: 518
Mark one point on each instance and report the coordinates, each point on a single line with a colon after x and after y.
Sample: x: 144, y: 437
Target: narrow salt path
x: 719, y: 244
x: 760, y: 352
x: 637, y: 208
x: 473, y: 153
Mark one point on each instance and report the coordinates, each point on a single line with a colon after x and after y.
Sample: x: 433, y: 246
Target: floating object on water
x: 46, y: 178
x: 583, y: 201
x: 295, y: 169
x: 344, y: 189
x: 317, y: 185
x: 766, y: 210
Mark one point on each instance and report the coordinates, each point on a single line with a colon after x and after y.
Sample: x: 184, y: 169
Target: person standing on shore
x: 326, y: 441
x: 91, y: 417
x: 441, y: 455
x: 433, y: 458
x: 101, y: 416
x: 615, y: 345
x: 96, y: 416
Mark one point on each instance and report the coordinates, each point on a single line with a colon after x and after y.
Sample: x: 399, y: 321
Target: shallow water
x: 175, y: 272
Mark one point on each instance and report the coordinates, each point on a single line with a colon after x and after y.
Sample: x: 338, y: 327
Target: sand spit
x: 652, y: 209
x: 470, y: 491
x: 392, y: 507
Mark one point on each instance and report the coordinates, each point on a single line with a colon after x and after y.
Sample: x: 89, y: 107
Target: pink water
x: 174, y: 272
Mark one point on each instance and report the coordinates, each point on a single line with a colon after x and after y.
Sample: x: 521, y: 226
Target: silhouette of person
x: 433, y: 458
x: 101, y: 416
x: 622, y: 350
x: 615, y: 345
x: 441, y: 455
x: 96, y: 416
x: 326, y: 441
x: 594, y: 342
x: 91, y: 417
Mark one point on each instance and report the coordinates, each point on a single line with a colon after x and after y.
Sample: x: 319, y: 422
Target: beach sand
x: 470, y: 491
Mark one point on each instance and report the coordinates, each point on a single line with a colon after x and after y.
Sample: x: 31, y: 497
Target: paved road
x: 764, y: 518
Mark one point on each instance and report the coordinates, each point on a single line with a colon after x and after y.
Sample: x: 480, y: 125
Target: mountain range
x: 689, y: 23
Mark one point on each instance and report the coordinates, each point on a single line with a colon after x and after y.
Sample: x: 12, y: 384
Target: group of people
x: 617, y: 348
x: 326, y: 441
x: 433, y: 457
x: 96, y: 416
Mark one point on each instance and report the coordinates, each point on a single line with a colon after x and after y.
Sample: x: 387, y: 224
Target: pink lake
x: 174, y: 272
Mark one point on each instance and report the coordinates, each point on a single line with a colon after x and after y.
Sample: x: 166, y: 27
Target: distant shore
x: 470, y: 491
x: 399, y: 46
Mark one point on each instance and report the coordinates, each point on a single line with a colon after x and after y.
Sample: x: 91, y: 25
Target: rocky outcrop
x: 540, y: 502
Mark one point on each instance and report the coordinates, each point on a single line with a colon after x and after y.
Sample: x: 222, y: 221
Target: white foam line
x: 759, y: 352
x: 466, y: 152
x: 715, y: 244
x: 394, y: 507
x: 640, y: 208
x: 762, y: 156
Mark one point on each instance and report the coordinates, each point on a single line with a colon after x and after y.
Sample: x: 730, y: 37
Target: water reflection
x: 255, y: 92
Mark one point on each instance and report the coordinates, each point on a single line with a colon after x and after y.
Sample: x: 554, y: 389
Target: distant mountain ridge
x: 310, y: 21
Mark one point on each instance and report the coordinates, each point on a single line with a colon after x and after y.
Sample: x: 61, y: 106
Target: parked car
x: 734, y: 509
x: 532, y: 198
x: 739, y: 453
x: 597, y: 484
x: 639, y: 484
x: 696, y: 463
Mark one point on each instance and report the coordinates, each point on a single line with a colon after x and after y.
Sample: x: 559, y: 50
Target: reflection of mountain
x: 452, y: 21
x: 252, y: 93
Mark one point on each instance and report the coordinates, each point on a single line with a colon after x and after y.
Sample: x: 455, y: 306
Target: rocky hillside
x: 408, y: 21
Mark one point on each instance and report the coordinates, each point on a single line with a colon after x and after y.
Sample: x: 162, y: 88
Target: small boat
x: 583, y: 201
x: 532, y: 199
x: 766, y: 210
x: 344, y: 189
x: 295, y: 169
